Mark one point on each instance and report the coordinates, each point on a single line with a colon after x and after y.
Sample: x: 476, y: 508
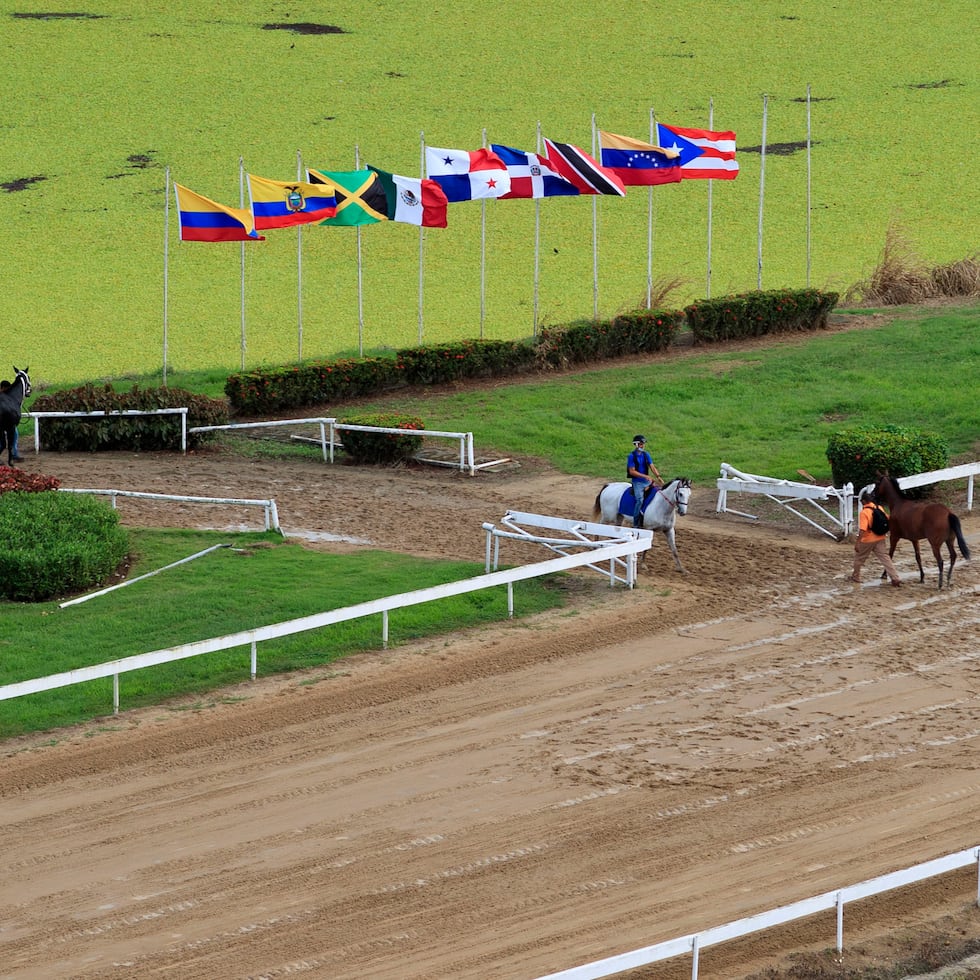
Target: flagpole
x: 537, y: 243
x: 808, y: 174
x: 166, y: 270
x: 762, y: 185
x: 241, y: 204
x: 422, y: 174
x: 654, y: 141
x: 711, y: 186
x: 595, y: 242
x: 483, y: 253
x: 299, y: 270
x: 360, y: 273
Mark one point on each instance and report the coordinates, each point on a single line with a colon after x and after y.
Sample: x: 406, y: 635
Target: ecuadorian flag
x: 285, y: 203
x: 204, y: 220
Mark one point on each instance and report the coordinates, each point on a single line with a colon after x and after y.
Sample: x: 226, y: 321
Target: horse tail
x: 957, y: 529
x: 597, y: 506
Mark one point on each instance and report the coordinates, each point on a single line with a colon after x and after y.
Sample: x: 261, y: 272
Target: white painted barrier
x: 253, y: 637
x: 694, y: 942
x: 37, y: 416
x: 330, y: 441
x: 268, y: 506
x: 786, y: 493
x: 575, y: 535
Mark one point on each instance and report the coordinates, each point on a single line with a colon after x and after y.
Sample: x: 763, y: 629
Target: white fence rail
x: 694, y: 942
x: 788, y: 493
x: 37, y: 416
x: 269, y: 508
x: 384, y: 606
x: 575, y: 535
x: 330, y: 441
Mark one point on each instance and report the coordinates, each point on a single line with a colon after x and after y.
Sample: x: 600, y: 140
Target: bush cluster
x: 859, y: 455
x: 639, y: 332
x: 381, y: 447
x: 136, y: 432
x: 465, y: 360
x: 14, y: 479
x: 56, y: 543
x: 269, y: 391
x: 758, y: 313
x: 266, y: 392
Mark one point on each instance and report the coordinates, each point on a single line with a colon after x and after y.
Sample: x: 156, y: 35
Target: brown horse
x: 917, y: 519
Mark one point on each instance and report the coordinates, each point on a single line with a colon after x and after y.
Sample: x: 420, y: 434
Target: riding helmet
x: 642, y: 439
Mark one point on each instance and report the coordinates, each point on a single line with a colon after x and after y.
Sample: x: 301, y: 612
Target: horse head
x: 24, y: 379
x: 679, y: 493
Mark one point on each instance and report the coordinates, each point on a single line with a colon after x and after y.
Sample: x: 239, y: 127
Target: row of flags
x: 371, y: 195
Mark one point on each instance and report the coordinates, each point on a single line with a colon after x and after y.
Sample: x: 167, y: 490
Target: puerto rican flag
x: 703, y: 153
x: 530, y: 175
x: 467, y: 175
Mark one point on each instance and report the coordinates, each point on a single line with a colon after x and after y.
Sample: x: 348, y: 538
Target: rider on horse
x: 639, y: 465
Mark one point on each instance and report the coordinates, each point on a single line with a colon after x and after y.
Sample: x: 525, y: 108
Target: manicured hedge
x: 134, y: 432
x: 57, y: 543
x: 859, y: 455
x: 381, y: 447
x: 755, y: 314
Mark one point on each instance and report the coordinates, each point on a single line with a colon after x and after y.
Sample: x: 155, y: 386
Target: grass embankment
x: 259, y: 580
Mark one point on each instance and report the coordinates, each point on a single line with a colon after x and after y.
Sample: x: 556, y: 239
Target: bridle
x: 663, y: 493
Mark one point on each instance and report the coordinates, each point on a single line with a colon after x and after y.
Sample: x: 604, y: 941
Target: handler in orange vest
x: 868, y: 543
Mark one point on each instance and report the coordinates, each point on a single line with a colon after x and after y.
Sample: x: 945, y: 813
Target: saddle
x: 627, y: 503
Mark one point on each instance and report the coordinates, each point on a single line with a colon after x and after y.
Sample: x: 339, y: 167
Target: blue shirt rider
x: 639, y: 467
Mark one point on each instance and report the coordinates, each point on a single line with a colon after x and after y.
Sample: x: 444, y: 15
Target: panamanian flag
x: 467, y: 175
x: 530, y: 175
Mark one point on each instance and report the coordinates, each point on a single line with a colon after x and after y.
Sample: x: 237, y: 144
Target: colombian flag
x: 285, y: 203
x: 204, y: 220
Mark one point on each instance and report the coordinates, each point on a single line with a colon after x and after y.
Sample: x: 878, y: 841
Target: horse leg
x: 918, y: 561
x: 952, y: 557
x: 669, y: 535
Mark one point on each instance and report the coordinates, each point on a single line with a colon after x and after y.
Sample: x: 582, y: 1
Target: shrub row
x: 56, y: 543
x: 758, y: 313
x: 267, y: 392
x: 135, y: 432
x: 859, y: 455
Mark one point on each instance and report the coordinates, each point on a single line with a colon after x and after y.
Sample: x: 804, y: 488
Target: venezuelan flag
x: 204, y: 220
x: 285, y: 203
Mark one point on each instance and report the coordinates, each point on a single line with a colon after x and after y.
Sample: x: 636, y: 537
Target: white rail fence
x: 693, y: 943
x: 329, y: 428
x: 37, y: 416
x: 824, y: 500
x: 330, y: 441
x: 271, y: 512
x: 574, y: 535
x: 627, y: 545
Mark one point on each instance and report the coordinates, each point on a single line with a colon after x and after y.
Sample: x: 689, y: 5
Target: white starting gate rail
x: 787, y: 493
x: 576, y: 535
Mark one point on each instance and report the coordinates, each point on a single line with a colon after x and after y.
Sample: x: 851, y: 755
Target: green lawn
x: 98, y: 105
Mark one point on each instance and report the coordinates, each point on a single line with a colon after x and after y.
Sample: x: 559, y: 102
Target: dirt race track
x: 520, y: 800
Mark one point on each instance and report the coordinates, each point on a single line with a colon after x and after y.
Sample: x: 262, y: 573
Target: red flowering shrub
x: 381, y: 447
x: 14, y: 479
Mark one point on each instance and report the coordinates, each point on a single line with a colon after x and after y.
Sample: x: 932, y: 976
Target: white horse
x: 615, y: 501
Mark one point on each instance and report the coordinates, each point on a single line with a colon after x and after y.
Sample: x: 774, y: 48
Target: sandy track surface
x: 511, y: 802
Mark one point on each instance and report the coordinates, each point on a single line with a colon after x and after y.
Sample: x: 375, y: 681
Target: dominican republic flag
x: 586, y: 174
x: 638, y: 164
x: 530, y: 175
x: 704, y: 153
x: 467, y: 175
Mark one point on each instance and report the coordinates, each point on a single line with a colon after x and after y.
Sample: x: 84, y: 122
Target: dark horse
x: 10, y: 405
x: 917, y: 519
